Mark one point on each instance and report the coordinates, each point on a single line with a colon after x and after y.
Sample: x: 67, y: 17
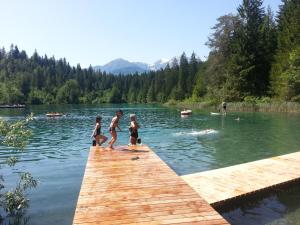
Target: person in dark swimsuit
x: 133, y: 129
x: 97, y: 132
x: 112, y: 128
x: 224, y: 107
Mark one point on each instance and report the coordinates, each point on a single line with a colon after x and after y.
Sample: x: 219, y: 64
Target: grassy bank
x: 245, y: 106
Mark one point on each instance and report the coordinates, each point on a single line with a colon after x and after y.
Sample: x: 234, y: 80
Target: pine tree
x: 269, y: 40
x: 251, y: 48
x: 285, y: 77
x: 183, y: 77
x: 151, y: 93
x: 193, y: 68
x: 221, y: 76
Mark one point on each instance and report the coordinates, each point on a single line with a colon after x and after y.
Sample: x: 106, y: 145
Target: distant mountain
x: 159, y: 64
x: 122, y: 66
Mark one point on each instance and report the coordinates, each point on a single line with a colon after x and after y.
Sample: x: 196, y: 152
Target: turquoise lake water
x: 58, y: 151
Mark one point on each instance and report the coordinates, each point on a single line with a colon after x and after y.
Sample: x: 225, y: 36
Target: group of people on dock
x: 100, y: 139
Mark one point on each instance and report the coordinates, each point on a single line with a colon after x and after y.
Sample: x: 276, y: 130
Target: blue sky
x: 97, y: 31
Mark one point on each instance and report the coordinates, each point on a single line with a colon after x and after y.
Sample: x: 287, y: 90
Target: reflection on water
x: 58, y: 150
x: 279, y: 208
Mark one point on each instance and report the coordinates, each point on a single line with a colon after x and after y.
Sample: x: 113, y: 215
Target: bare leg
x: 104, y: 139
x: 97, y: 140
x: 113, y: 139
x: 132, y: 140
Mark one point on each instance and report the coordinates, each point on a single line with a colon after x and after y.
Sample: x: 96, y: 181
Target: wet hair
x: 98, y: 118
x: 132, y: 117
x: 119, y: 111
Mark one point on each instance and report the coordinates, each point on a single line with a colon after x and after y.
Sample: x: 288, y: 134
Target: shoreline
x: 273, y: 106
x: 280, y: 107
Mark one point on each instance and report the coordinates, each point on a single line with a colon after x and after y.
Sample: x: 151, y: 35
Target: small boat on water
x: 54, y: 114
x: 186, y: 112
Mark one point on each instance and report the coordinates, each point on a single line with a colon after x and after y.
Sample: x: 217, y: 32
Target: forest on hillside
x: 253, y: 54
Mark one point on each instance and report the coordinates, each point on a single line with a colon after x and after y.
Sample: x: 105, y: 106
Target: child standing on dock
x: 133, y: 129
x: 112, y: 128
x: 97, y: 132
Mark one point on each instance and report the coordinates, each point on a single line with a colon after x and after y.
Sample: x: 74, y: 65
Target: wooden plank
x: 223, y: 184
x: 119, y: 188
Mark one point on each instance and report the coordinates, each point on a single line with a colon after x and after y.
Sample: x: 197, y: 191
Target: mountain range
x: 122, y: 66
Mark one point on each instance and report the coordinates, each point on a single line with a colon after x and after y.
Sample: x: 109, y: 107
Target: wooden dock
x: 220, y: 185
x: 132, y: 185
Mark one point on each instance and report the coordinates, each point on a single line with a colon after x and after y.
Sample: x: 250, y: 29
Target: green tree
x: 115, y: 95
x: 171, y: 79
x: 183, y: 77
x: 13, y: 203
x: 285, y: 69
x: 253, y: 61
x: 220, y: 78
x: 69, y: 92
x: 151, y: 93
x: 36, y: 97
x: 199, y: 89
x: 3, y: 94
x: 193, y: 68
x: 14, y: 94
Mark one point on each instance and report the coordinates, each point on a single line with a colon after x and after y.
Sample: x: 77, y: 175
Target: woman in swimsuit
x: 97, y: 132
x: 112, y: 128
x: 133, y: 129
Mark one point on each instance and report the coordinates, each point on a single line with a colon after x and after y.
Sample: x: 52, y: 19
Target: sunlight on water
x: 197, y: 133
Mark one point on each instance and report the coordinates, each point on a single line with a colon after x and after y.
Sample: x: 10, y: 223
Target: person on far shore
x: 133, y: 129
x: 97, y: 132
x: 112, y: 128
x: 224, y: 107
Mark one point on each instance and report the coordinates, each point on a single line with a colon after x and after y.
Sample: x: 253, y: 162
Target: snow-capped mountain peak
x: 159, y: 64
x: 122, y: 66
